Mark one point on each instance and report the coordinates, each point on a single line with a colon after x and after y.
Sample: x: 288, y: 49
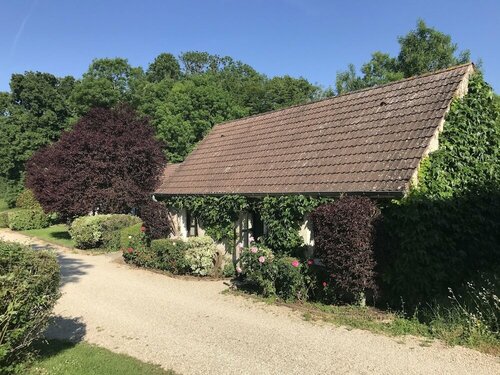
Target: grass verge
x: 389, y: 323
x: 56, y: 234
x: 64, y: 358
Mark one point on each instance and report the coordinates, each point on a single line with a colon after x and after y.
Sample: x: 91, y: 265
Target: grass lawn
x: 57, y: 234
x: 64, y: 358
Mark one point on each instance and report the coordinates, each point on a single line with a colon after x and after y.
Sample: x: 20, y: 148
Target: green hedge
x: 197, y: 255
x: 100, y: 231
x: 26, y: 219
x: 111, y: 229
x: 4, y: 219
x: 170, y: 255
x: 447, y: 231
x: 131, y: 235
x: 29, y: 289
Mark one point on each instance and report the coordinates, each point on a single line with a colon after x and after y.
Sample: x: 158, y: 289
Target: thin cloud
x: 21, y: 27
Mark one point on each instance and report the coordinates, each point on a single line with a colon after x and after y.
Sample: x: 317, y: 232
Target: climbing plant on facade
x: 447, y: 230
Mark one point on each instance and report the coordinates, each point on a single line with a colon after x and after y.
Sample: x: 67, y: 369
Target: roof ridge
x: 349, y: 93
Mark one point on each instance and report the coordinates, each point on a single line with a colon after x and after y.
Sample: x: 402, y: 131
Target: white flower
x: 129, y: 237
x: 238, y: 269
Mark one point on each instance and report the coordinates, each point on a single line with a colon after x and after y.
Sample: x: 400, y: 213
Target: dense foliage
x: 32, y: 115
x: 4, y: 219
x: 272, y: 275
x: 90, y: 232
x: 25, y: 219
x: 29, y: 289
x: 156, y: 219
x: 344, y: 238
x: 108, y: 163
x: 170, y: 255
x: 197, y: 256
x: 421, y: 51
x: 283, y: 216
x: 201, y: 255
x: 447, y: 231
x: 26, y: 199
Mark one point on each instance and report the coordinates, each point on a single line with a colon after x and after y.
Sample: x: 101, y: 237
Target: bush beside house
x: 344, y: 241
x: 29, y: 289
x: 196, y: 256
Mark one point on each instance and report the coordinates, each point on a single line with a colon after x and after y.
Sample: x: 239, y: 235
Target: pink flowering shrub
x: 268, y: 275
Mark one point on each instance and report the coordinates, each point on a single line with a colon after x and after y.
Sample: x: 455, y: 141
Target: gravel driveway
x: 190, y: 327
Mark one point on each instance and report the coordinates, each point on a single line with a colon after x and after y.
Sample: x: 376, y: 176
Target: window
x: 246, y: 228
x: 251, y: 226
x: 191, y: 225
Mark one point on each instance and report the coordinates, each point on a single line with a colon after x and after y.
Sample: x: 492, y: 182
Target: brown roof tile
x: 369, y: 141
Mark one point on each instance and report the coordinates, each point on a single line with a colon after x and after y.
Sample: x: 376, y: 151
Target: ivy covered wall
x: 447, y: 230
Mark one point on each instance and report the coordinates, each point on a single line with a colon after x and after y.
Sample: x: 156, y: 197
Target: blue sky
x: 309, y: 38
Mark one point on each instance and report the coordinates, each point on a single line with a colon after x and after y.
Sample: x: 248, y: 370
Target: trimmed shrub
x: 344, y: 235
x: 156, y: 219
x: 4, y: 219
x: 27, y: 219
x: 131, y: 236
x: 111, y: 228
x: 26, y: 199
x: 29, y: 289
x: 90, y: 232
x: 86, y: 231
x: 201, y: 254
x: 170, y: 255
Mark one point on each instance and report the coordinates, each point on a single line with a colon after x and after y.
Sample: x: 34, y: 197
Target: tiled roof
x: 369, y: 141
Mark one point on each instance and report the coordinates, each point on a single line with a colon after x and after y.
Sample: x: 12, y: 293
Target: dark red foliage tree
x: 109, y: 162
x: 344, y: 235
x: 156, y: 219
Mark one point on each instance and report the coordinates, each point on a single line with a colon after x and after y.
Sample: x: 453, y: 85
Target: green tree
x: 165, y: 65
x: 106, y: 83
x: 426, y: 49
x: 422, y: 50
x: 192, y: 108
x: 285, y: 91
x: 33, y: 115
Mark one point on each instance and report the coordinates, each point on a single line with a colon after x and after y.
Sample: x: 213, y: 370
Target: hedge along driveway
x: 189, y: 326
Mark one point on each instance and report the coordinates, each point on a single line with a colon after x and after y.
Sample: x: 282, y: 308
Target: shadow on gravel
x: 71, y: 269
x: 66, y: 329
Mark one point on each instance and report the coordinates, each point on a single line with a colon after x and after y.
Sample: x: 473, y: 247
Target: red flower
x: 130, y: 250
x: 310, y: 262
x: 295, y: 263
x: 325, y: 284
x: 143, y: 228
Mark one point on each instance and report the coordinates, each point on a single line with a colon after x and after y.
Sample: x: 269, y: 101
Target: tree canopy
x: 109, y: 162
x: 422, y: 50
